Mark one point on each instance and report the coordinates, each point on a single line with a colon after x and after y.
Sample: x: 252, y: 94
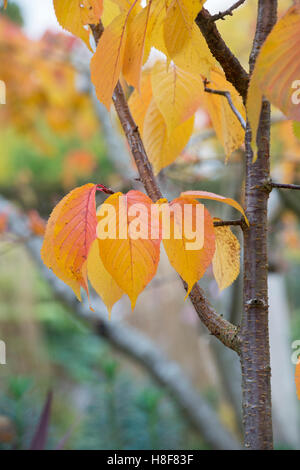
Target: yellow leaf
x: 190, y: 264
x: 101, y: 280
x: 276, y: 73
x: 226, y: 260
x: 227, y: 126
x: 178, y: 25
x: 68, y: 14
x: 110, y: 11
x: 107, y: 61
x: 134, y: 51
x: 177, y: 93
x: 70, y: 231
x: 162, y: 149
x: 131, y: 261
x: 215, y: 197
x: 139, y: 101
x: 194, y: 56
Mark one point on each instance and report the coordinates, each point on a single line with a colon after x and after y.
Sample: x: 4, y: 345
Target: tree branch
x: 131, y: 342
x: 285, y: 186
x: 224, y: 223
x: 233, y: 70
x: 229, y: 12
x: 218, y: 326
x: 254, y: 331
x: 230, y: 102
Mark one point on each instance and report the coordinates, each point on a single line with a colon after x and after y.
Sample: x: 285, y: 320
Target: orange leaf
x: 107, y: 61
x: 190, y: 249
x: 131, y: 261
x: 135, y: 43
x: 3, y: 222
x: 91, y: 11
x: 215, y: 197
x: 70, y: 231
x: 36, y: 223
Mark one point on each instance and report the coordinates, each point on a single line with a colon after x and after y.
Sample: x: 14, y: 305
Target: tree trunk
x: 254, y: 333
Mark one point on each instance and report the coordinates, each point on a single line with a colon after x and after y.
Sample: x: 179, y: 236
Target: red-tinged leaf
x: 215, y: 197
x: 190, y: 249
x: 91, y: 11
x: 132, y: 262
x: 70, y: 232
x: 3, y: 222
x: 36, y: 223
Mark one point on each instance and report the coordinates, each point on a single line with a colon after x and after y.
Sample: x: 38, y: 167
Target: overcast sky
x: 39, y: 14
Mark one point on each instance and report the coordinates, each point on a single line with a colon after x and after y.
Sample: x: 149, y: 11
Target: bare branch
x: 224, y: 223
x: 217, y: 325
x: 233, y: 70
x: 230, y: 102
x: 229, y: 12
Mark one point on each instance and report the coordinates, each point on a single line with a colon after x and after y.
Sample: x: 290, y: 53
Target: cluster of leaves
x: 49, y: 92
x: 162, y: 103
x: 126, y: 263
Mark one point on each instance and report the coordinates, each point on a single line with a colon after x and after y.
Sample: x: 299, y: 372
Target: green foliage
x: 13, y: 12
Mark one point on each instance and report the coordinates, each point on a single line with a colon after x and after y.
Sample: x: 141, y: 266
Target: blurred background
x: 105, y: 390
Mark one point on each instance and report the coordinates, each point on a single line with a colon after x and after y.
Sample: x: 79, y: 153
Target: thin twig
x: 221, y: 15
x: 285, y: 186
x: 227, y: 95
x: 224, y: 223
